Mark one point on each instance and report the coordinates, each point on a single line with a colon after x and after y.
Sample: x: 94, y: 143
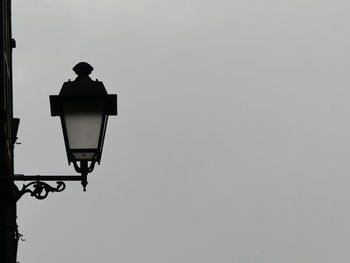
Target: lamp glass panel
x: 83, y: 127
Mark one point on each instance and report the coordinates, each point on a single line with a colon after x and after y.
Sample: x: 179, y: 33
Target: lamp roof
x: 83, y: 85
x: 83, y: 90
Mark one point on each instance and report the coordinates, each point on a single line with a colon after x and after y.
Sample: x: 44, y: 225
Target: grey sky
x: 232, y: 140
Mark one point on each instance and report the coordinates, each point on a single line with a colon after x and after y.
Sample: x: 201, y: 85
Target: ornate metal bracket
x: 40, y: 189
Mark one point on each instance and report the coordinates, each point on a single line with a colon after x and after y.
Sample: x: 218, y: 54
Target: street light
x: 83, y: 106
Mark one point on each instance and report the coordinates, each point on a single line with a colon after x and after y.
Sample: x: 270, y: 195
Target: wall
x: 8, y: 226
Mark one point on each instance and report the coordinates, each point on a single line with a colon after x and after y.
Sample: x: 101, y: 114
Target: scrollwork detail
x: 40, y: 190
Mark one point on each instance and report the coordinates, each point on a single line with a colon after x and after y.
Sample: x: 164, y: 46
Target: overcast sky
x: 232, y: 140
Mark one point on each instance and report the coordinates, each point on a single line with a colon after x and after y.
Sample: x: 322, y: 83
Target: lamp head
x: 83, y: 106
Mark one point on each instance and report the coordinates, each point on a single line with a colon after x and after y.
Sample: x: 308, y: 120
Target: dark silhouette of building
x: 8, y: 126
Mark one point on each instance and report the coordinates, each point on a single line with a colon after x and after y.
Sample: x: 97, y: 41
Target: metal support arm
x: 38, y: 188
x: 22, y: 177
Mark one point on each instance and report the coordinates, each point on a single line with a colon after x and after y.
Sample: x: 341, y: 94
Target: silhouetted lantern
x: 83, y: 106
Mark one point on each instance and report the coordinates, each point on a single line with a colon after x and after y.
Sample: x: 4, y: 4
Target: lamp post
x: 83, y: 106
